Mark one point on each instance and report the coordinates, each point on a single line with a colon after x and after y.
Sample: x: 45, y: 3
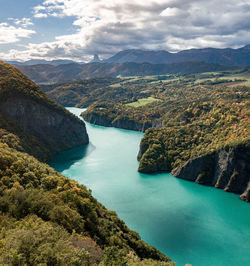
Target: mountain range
x: 226, y: 56
x: 48, y: 74
x: 40, y: 61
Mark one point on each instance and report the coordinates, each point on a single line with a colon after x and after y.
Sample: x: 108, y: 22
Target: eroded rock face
x: 226, y: 169
x: 56, y: 129
x: 246, y: 195
x: 99, y: 120
x: 131, y: 125
x: 124, y: 123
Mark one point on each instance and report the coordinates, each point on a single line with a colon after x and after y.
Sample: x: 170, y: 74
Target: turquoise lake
x: 188, y: 222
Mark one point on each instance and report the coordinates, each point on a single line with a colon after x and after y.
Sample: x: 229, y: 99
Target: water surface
x: 188, y: 222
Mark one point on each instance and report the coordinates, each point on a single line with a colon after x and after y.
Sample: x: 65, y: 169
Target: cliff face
x: 55, y: 129
x: 103, y: 120
x: 28, y: 108
x: 227, y: 169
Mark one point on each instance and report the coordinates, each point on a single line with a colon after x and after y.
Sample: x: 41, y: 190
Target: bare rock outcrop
x: 228, y: 169
x: 57, y: 130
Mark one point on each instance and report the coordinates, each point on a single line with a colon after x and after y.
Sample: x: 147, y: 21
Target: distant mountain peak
x: 96, y: 59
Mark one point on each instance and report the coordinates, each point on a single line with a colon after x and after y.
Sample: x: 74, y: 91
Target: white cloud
x: 170, y: 12
x: 108, y: 26
x: 12, y: 34
x: 23, y: 22
x: 46, y: 10
x: 40, y: 15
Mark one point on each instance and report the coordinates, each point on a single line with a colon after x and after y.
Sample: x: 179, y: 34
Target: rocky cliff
x: 228, y: 169
x: 24, y: 104
x: 57, y: 130
x: 119, y: 122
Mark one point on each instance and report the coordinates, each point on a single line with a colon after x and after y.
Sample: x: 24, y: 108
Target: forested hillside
x: 185, y: 117
x: 49, y: 219
x: 30, y: 121
x: 188, y: 117
x: 48, y: 74
x: 46, y: 218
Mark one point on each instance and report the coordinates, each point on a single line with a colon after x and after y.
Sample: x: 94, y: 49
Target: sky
x: 78, y: 29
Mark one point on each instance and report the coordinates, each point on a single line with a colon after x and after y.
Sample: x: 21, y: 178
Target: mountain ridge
x: 43, y: 74
x: 31, y: 62
x: 225, y: 56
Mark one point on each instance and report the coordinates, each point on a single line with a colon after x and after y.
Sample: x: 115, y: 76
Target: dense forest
x: 129, y: 89
x: 49, y: 219
x: 189, y: 115
x: 46, y: 218
x: 14, y: 83
x: 184, y: 117
x: 192, y: 118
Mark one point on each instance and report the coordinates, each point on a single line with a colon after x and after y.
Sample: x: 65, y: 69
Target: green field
x: 150, y: 91
x: 142, y: 102
x: 117, y: 85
